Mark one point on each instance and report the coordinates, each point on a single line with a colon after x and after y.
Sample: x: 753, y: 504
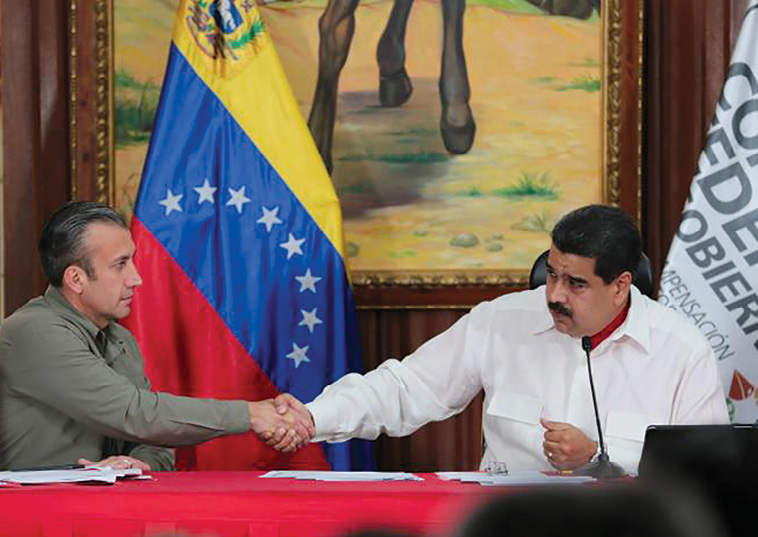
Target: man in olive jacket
x: 74, y: 388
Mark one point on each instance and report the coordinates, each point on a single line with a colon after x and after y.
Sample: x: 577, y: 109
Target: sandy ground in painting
x: 404, y: 197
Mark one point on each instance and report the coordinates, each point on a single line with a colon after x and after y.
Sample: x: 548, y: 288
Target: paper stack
x: 514, y: 478
x: 89, y: 474
x: 344, y: 476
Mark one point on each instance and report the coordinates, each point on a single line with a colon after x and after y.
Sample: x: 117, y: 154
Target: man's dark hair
x: 61, y: 243
x: 631, y: 510
x: 605, y: 234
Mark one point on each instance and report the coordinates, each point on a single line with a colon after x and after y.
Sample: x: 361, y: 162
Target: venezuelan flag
x: 239, y: 239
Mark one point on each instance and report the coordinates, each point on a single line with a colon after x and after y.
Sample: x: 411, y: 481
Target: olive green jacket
x: 71, y: 390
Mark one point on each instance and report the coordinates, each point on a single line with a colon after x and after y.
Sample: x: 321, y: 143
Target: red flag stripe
x: 175, y: 323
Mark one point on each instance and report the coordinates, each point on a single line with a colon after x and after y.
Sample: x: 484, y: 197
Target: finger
x: 279, y: 434
x: 554, y: 425
x: 283, y: 402
x: 558, y: 458
x: 302, y: 432
x: 555, y: 436
x: 273, y: 438
x: 286, y: 444
x: 282, y: 407
x: 285, y: 441
x: 85, y: 462
x: 551, y: 446
x: 142, y: 465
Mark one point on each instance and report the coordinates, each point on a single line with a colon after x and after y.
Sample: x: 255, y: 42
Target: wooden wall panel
x: 35, y: 146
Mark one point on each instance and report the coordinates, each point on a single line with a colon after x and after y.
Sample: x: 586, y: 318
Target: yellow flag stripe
x: 255, y: 91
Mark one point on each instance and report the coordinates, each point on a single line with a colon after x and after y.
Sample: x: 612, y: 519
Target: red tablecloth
x: 233, y: 504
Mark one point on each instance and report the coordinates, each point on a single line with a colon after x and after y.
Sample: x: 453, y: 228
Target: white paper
x: 343, y: 476
x: 89, y: 474
x: 514, y: 478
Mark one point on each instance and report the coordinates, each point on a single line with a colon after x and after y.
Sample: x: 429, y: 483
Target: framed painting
x: 456, y: 133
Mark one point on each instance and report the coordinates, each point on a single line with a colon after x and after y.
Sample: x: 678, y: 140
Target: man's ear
x: 74, y: 279
x: 623, y: 283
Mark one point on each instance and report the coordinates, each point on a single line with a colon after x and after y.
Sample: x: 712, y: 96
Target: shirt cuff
x: 325, y: 419
x: 237, y: 419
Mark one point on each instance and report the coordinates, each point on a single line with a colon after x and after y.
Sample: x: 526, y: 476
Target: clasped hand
x: 282, y: 423
x: 565, y: 446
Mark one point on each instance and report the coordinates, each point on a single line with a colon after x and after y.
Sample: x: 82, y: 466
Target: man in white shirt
x: 650, y: 364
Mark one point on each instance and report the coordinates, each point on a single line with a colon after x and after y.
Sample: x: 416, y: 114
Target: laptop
x: 721, y: 461
x: 699, y: 449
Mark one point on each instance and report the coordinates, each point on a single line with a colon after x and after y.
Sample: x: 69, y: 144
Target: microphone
x: 602, y: 468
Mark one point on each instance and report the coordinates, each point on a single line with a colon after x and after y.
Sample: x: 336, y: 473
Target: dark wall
x: 687, y: 48
x: 33, y: 40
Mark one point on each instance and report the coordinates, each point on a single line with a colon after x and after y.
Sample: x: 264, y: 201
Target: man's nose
x: 135, y: 280
x: 557, y: 292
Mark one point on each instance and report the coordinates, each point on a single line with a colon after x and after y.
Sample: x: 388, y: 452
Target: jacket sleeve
x: 160, y: 459
x: 59, y: 370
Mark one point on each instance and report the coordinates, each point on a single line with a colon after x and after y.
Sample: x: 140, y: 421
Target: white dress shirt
x: 656, y: 368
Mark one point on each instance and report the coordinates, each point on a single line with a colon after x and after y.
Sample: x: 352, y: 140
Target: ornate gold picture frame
x: 92, y: 94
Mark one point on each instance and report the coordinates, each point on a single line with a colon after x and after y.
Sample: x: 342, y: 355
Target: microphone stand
x: 602, y: 468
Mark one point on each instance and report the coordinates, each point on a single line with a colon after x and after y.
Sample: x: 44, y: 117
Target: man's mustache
x: 560, y: 308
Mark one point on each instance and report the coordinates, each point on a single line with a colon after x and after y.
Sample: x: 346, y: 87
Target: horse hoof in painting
x: 395, y: 89
x: 458, y: 140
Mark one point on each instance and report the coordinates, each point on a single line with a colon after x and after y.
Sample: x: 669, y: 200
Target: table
x: 234, y: 504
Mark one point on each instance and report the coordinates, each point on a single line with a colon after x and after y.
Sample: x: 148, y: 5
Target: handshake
x: 282, y: 423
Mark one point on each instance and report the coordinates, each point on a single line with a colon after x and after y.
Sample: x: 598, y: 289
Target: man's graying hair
x: 61, y: 243
x: 605, y: 234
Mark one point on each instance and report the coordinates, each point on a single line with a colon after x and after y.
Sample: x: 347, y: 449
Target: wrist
x: 255, y: 418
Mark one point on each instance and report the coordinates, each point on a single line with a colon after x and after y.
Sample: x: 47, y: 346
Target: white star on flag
x: 298, y: 355
x: 292, y: 246
x: 269, y: 218
x: 171, y: 203
x: 206, y: 192
x: 309, y: 319
x: 238, y: 198
x: 307, y: 281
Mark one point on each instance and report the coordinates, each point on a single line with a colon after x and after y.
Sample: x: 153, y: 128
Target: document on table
x: 514, y: 478
x: 343, y: 476
x: 90, y: 474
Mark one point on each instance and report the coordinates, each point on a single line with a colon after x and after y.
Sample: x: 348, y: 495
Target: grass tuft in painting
x: 530, y: 185
x: 535, y: 222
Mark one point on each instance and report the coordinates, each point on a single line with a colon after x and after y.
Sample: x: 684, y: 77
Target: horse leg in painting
x: 457, y: 121
x: 336, y: 27
x: 394, y: 85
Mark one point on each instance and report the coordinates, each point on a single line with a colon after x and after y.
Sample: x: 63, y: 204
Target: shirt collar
x: 635, y: 326
x: 59, y: 302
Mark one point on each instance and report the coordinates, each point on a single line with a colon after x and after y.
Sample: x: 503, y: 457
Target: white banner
x: 711, y: 274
